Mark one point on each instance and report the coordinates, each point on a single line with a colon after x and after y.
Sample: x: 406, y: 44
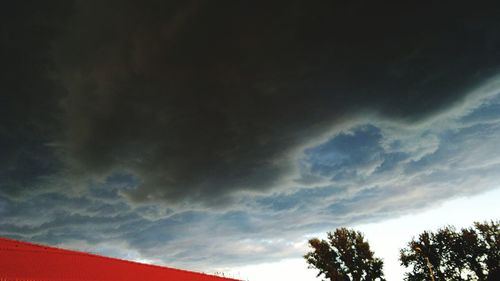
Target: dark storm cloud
x: 370, y: 171
x: 28, y: 96
x: 371, y: 112
x: 200, y: 100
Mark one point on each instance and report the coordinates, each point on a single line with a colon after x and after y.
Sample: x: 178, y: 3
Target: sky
x: 386, y: 238
x: 221, y: 136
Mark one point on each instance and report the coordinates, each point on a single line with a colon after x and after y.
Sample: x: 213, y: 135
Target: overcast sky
x: 222, y: 134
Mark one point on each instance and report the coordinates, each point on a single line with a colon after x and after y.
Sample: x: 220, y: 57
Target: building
x: 21, y: 261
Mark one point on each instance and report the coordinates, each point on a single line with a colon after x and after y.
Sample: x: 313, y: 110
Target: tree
x: 344, y: 256
x: 470, y: 254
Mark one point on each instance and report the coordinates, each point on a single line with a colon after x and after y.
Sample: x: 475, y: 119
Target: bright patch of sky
x: 385, y: 238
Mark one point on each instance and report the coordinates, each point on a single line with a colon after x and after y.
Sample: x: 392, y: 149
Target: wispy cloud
x: 370, y: 171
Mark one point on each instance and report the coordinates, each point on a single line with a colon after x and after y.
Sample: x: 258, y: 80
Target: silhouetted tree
x: 344, y: 256
x: 470, y: 254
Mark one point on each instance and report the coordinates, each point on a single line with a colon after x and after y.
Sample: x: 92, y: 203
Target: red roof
x: 32, y: 262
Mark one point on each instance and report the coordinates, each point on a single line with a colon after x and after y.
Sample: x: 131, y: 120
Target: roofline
x: 74, y: 252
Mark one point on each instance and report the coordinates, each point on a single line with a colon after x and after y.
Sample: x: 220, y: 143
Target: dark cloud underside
x: 200, y: 100
x: 28, y: 97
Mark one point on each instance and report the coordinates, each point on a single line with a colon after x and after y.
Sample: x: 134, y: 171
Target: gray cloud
x: 29, y: 113
x: 203, y: 101
x: 408, y: 177
x: 313, y: 117
x: 393, y: 165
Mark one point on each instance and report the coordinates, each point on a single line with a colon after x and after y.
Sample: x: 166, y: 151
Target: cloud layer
x: 371, y: 170
x: 196, y: 134
x: 202, y: 102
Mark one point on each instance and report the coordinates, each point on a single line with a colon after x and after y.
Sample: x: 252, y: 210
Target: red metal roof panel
x: 23, y: 261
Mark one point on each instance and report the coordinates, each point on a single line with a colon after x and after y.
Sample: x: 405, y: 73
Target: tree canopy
x: 344, y: 256
x: 469, y: 254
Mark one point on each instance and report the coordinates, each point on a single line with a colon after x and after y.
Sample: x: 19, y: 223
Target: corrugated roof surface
x: 21, y: 261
